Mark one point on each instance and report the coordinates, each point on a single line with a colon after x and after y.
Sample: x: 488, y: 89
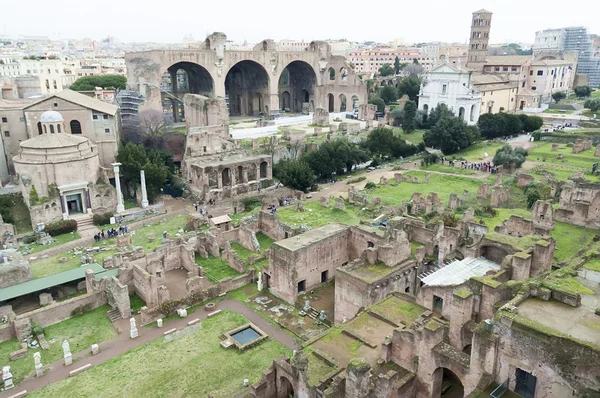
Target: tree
x: 449, y: 135
x: 583, y: 91
x: 396, y: 65
x: 380, y: 141
x: 386, y: 70
x: 408, y: 119
x: 270, y: 144
x: 531, y: 123
x: 508, y: 157
x: 592, y: 104
x: 134, y: 158
x: 387, y: 94
x: 504, y: 124
x: 397, y: 115
x: 88, y: 83
x: 379, y: 102
x: 414, y: 69
x: 337, y: 156
x: 153, y: 122
x: 294, y: 173
x: 410, y: 86
x: 559, y: 96
x: 439, y: 112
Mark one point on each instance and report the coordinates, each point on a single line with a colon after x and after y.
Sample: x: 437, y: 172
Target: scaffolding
x: 578, y: 39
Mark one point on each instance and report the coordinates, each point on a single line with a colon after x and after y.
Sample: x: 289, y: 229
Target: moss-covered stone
x: 463, y: 293
x: 359, y: 364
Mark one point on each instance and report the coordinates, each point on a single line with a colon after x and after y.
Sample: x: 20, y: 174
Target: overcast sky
x: 254, y: 20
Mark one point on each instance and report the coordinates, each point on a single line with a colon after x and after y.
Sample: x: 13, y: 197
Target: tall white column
x: 144, y: 194
x: 120, y: 205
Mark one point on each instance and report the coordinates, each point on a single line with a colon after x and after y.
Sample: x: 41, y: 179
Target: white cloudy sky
x: 254, y: 20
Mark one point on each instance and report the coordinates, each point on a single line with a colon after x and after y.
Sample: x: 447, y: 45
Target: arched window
x: 331, y: 74
x: 58, y: 128
x: 39, y: 125
x: 51, y: 129
x: 45, y: 129
x: 75, y: 127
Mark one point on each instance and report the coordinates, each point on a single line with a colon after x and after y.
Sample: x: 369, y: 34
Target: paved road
x: 123, y: 344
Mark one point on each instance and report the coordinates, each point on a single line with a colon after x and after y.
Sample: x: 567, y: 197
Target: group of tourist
x: 486, y: 167
x: 272, y: 208
x: 111, y: 233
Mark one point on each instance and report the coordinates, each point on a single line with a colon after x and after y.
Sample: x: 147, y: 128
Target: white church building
x: 445, y: 84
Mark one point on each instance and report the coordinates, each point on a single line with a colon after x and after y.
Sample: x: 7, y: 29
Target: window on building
x: 301, y: 286
x: 95, y: 117
x: 533, y: 88
x: 497, y: 69
x: 54, y: 84
x: 51, y: 129
x: 56, y: 104
x: 75, y: 127
x: 444, y: 88
x: 513, y: 69
x: 105, y: 117
x: 530, y: 73
x: 7, y: 133
x: 4, y: 120
x: 540, y: 73
x: 438, y: 304
x: 505, y: 69
x: 22, y: 119
x: 107, y: 131
x: 39, y: 126
x: 58, y: 128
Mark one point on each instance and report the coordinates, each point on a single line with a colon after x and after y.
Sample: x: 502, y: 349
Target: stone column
x: 245, y: 175
x: 120, y: 205
x: 144, y: 194
x: 220, y: 179
x: 63, y: 204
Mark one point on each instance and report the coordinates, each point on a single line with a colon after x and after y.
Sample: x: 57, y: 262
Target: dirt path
x: 57, y: 371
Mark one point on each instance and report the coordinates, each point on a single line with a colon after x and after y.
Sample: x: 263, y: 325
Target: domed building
x: 60, y: 174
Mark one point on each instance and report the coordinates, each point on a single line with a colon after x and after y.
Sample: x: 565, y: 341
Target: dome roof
x: 54, y: 141
x: 55, y: 148
x: 51, y: 117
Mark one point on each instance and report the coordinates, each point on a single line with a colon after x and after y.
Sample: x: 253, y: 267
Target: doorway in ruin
x: 446, y: 384
x: 286, y: 390
x: 226, y: 175
x: 342, y: 103
x: 184, y: 78
x: 263, y: 169
x: 246, y: 84
x: 330, y: 101
x: 298, y: 80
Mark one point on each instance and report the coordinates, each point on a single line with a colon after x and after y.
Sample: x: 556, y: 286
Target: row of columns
x: 233, y: 173
x: 120, y: 204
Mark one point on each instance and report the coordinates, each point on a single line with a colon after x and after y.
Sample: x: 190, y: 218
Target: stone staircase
x: 85, y: 225
x: 113, y: 315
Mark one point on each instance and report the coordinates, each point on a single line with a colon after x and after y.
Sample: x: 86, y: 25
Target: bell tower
x: 480, y: 36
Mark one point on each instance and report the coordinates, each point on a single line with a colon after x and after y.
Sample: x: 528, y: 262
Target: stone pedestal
x: 7, y: 378
x: 133, y: 333
x: 95, y: 349
x: 144, y: 193
x: 68, y: 359
x: 159, y: 322
x: 39, y: 369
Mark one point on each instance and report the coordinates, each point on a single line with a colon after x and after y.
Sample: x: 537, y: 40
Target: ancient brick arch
x: 145, y: 72
x: 447, y: 373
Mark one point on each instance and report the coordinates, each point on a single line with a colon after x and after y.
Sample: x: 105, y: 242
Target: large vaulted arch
x: 182, y: 78
x: 247, y: 87
x: 299, y: 80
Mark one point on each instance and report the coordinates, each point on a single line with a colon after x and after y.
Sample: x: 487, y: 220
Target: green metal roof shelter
x: 36, y: 285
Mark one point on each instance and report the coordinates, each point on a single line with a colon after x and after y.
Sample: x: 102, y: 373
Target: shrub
x: 102, y: 219
x: 251, y: 203
x: 36, y: 329
x: 450, y: 220
x: 61, y: 227
x: 33, y: 196
x: 370, y: 185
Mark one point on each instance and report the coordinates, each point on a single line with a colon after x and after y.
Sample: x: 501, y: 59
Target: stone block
x: 124, y: 240
x: 95, y: 349
x: 321, y: 117
x: 182, y: 312
x: 214, y: 313
x: 62, y: 260
x: 18, y: 354
x: 46, y: 299
x: 159, y: 323
x: 80, y: 369
x: 193, y: 322
x: 170, y: 331
x: 68, y: 359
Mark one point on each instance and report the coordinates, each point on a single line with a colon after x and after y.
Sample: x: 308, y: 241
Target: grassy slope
x: 194, y: 365
x: 81, y: 331
x: 216, y: 269
x: 316, y: 215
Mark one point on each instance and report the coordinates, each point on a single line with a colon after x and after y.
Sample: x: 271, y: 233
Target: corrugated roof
x: 83, y: 100
x: 509, y: 60
x: 36, y: 285
x: 460, y: 271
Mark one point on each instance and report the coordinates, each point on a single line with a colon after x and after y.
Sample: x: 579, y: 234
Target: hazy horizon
x: 152, y: 21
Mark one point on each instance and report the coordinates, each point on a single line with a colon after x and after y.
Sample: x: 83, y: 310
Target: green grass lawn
x: 136, y: 303
x: 570, y: 163
x: 560, y: 172
x: 264, y: 241
x: 171, y: 225
x: 216, y: 269
x: 558, y: 111
x: 81, y: 331
x: 51, y: 265
x: 194, y: 366
x: 242, y: 251
x: 569, y: 238
x: 415, y: 138
x: 316, y: 215
x: 477, y: 151
x: 444, y: 185
x: 60, y: 239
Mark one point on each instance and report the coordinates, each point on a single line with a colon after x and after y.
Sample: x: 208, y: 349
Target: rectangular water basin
x: 245, y: 336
